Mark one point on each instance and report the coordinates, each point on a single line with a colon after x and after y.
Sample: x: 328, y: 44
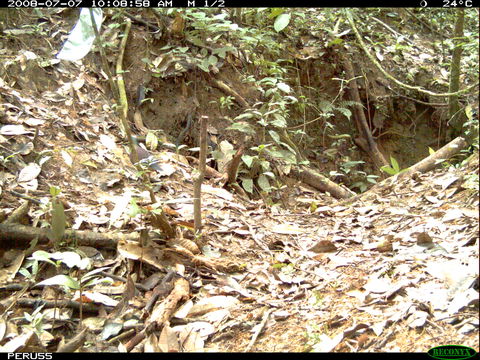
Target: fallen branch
x: 259, y: 330
x: 16, y: 235
x: 221, y: 178
x: 162, y: 312
x: 210, y: 172
x: 432, y: 161
x: 321, y: 183
x: 34, y: 303
x: 229, y: 91
x: 74, y: 343
x: 425, y: 165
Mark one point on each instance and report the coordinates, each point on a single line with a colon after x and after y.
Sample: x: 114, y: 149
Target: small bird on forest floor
x: 144, y: 156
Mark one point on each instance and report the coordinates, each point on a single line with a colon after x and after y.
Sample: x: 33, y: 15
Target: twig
x: 74, y: 343
x: 391, y: 30
x: 121, y: 278
x: 122, y: 336
x: 259, y: 330
x: 35, y: 201
x: 197, y: 190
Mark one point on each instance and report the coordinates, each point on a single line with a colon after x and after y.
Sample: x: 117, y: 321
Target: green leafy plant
x: 35, y: 321
x: 362, y: 185
x: 226, y: 102
x: 32, y: 274
x: 77, y: 283
x: 70, y: 259
x: 257, y: 167
x: 392, y: 169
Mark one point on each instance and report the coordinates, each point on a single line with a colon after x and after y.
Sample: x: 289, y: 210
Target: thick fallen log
x: 423, y: 166
x: 20, y: 236
x: 321, y: 183
x: 434, y: 160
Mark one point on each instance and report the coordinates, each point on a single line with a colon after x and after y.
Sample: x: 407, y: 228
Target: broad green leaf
x: 264, y: 183
x: 93, y: 273
x: 248, y: 160
x: 248, y: 115
x: 388, y: 169
x: 54, y: 191
x: 194, y: 40
x: 204, y: 65
x: 268, y: 81
x: 25, y: 273
x: 336, y: 41
x: 469, y: 112
x: 345, y: 112
x: 279, y: 121
x: 222, y: 52
x: 265, y: 165
x: 274, y: 136
x: 247, y: 184
x: 395, y: 165
x: 96, y: 281
x: 274, y: 12
x: 242, y: 127
x: 63, y: 280
x: 41, y: 255
x: 212, y: 60
x: 281, y: 22
x: 284, y: 87
x: 134, y: 209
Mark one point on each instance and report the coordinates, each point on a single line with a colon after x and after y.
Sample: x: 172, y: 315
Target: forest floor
x: 394, y: 270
